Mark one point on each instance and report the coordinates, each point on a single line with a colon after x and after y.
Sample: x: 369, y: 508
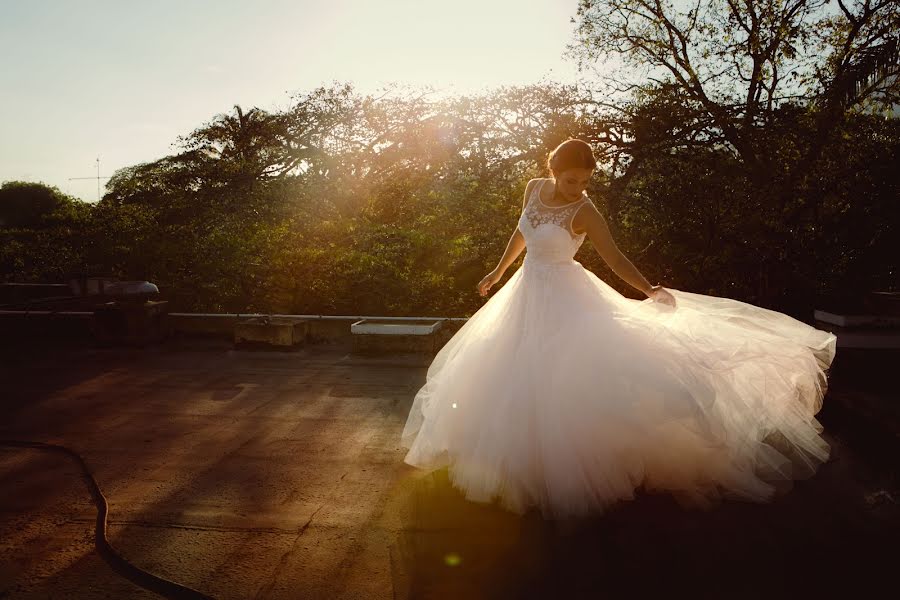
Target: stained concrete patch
x: 255, y: 475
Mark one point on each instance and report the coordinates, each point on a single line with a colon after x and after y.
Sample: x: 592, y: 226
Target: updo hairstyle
x: 571, y: 154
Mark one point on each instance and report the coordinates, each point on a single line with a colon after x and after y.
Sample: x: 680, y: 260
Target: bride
x: 562, y: 395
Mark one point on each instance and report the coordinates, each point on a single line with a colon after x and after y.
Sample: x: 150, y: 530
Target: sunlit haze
x: 121, y: 80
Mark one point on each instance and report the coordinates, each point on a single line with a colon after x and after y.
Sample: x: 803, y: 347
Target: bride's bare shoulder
x: 585, y: 215
x: 528, y: 188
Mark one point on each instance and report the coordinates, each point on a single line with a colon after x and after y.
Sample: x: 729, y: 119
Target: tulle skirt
x: 561, y: 394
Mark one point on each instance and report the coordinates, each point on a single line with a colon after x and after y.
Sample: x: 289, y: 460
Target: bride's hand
x: 485, y: 284
x: 661, y: 295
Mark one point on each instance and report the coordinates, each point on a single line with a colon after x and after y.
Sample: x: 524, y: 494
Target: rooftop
x: 279, y: 475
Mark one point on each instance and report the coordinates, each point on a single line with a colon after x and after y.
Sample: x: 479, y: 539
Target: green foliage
x: 398, y: 205
x: 35, y: 205
x: 40, y: 231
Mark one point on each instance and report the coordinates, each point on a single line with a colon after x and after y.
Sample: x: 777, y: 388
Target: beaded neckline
x: 538, y: 213
x: 544, y: 204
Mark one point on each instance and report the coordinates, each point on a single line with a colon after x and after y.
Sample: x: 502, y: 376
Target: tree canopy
x: 744, y: 151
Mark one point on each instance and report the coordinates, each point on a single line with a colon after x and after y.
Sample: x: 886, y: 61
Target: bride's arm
x: 513, y: 249
x: 601, y: 238
x: 516, y: 241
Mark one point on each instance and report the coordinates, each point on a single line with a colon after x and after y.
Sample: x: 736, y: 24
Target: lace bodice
x: 548, y: 229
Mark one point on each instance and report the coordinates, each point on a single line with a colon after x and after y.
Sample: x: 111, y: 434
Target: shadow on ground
x: 255, y: 475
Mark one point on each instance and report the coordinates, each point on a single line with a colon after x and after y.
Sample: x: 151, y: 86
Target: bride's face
x: 572, y: 182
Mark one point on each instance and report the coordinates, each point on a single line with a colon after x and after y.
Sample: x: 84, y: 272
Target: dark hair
x: 571, y: 154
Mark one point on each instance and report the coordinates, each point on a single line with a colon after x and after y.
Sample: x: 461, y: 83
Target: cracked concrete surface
x: 268, y: 475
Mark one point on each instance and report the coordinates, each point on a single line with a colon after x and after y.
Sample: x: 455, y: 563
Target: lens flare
x: 452, y: 560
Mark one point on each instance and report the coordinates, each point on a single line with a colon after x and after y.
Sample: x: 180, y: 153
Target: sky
x: 121, y: 80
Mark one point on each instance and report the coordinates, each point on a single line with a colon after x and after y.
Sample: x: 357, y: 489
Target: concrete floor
x: 279, y: 475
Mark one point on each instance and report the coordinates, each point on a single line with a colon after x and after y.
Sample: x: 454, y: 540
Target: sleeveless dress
x: 561, y: 395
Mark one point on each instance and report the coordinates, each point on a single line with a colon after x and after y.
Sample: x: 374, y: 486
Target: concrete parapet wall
x: 196, y: 324
x: 79, y: 324
x: 25, y: 292
x: 318, y: 330
x: 16, y: 325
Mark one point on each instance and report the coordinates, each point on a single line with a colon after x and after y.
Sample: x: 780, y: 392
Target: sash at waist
x: 547, y: 262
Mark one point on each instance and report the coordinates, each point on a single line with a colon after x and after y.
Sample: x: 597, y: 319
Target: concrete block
x: 263, y: 331
x: 371, y: 336
x: 132, y: 323
x: 857, y: 320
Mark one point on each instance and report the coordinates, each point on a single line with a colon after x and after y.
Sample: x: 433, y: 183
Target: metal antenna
x: 98, y: 178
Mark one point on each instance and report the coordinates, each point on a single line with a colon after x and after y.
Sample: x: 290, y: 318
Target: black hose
x: 146, y: 580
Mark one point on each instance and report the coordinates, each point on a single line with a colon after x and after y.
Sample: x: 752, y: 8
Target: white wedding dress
x: 563, y: 395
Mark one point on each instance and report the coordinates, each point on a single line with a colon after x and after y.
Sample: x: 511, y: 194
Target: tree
x: 769, y: 81
x: 399, y: 202
x: 735, y: 62
x: 24, y: 204
x: 41, y: 232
